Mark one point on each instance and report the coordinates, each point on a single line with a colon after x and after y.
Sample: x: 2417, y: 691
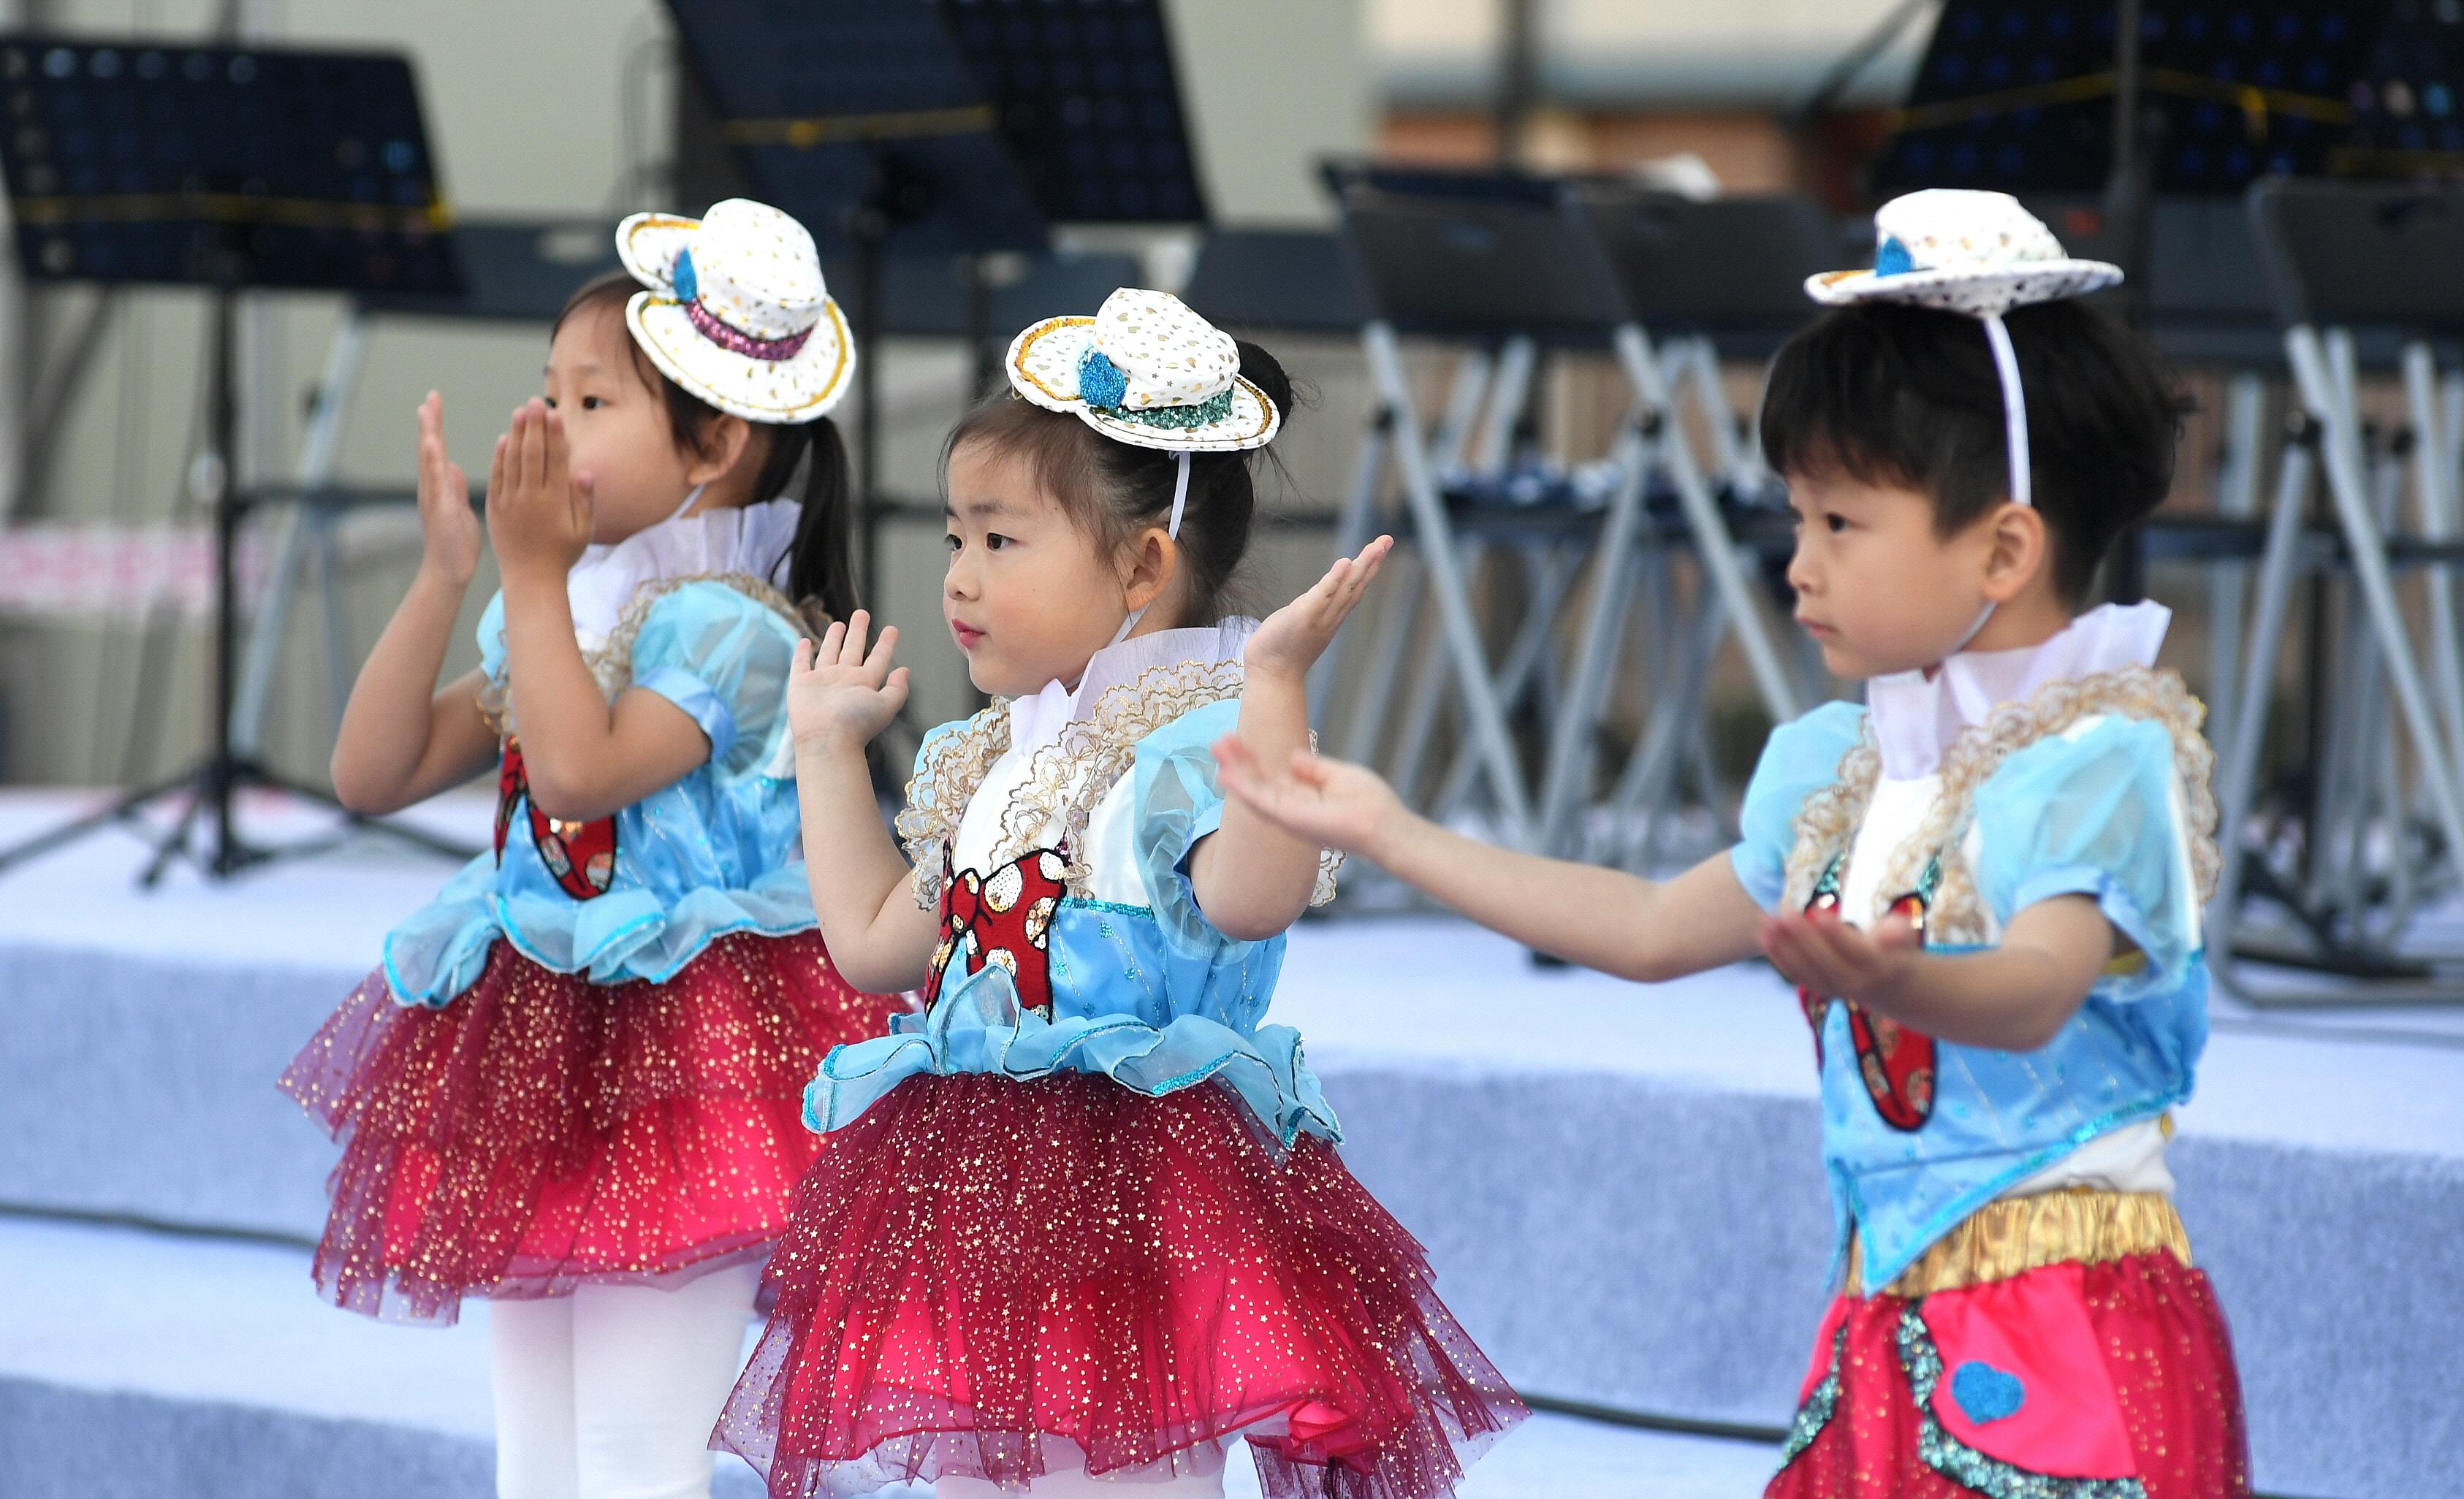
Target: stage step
x: 177, y: 1366
x: 1620, y: 1186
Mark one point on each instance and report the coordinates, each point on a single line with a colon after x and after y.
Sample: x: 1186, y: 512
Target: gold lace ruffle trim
x: 2017, y: 1234
x: 1067, y: 780
x: 1826, y: 825
x: 612, y: 664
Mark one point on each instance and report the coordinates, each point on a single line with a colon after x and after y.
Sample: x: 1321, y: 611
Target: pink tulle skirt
x: 542, y: 1131
x: 978, y: 1263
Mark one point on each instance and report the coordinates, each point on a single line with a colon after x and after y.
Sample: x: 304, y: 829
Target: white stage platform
x: 1618, y: 1184
x: 137, y: 1345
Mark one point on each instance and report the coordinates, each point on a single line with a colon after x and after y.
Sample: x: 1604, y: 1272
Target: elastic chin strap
x: 2015, y: 426
x: 1179, y: 504
x: 691, y: 500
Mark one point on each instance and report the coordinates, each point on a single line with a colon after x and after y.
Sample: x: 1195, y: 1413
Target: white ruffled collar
x: 1915, y: 714
x: 1037, y: 719
x: 748, y: 538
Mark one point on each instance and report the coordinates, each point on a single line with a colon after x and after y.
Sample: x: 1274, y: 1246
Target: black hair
x: 1892, y: 394
x: 818, y: 574
x: 1116, y: 489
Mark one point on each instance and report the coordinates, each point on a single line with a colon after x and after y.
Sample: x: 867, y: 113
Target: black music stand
x: 227, y: 168
x: 956, y: 129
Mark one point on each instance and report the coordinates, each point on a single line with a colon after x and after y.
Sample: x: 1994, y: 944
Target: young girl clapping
x: 1083, y: 1220
x: 571, y: 1086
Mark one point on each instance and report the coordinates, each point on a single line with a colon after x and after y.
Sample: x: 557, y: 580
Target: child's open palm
x: 1330, y: 803
x: 539, y: 517
x: 1291, y: 639
x: 841, y: 693
x: 449, y: 532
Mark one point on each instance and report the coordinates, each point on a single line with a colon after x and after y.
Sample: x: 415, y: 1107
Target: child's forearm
x: 2012, y: 998
x: 1252, y: 879
x: 861, y: 897
x: 567, y: 723
x: 1602, y: 918
x: 387, y: 752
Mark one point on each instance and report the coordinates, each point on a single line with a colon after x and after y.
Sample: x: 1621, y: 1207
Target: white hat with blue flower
x: 1960, y: 250
x: 737, y: 311
x: 1147, y: 371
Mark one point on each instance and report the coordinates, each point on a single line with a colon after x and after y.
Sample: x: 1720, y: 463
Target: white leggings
x: 610, y: 1393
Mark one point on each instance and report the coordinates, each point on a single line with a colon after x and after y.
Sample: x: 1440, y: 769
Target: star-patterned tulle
x: 542, y: 1131
x: 977, y: 1262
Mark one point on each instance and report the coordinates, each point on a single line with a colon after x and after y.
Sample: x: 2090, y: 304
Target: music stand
x: 956, y: 129
x: 227, y: 168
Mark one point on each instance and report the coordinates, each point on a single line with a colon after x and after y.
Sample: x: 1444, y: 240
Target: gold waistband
x: 2017, y: 1234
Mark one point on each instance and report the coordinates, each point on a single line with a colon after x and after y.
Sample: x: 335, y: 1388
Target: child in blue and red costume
x: 1986, y: 881
x: 572, y: 1086
x: 1082, y: 1223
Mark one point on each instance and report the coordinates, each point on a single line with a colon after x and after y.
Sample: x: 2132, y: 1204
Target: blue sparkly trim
x: 1892, y: 259
x: 1962, y: 1463
x: 1206, y: 413
x: 687, y: 282
x: 1822, y: 1403
x: 1100, y: 381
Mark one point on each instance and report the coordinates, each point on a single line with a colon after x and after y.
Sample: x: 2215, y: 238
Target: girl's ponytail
x: 818, y: 567
x: 817, y: 559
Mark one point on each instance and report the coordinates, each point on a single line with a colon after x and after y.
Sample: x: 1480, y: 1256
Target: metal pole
x: 1711, y: 537
x: 2348, y: 487
x: 1517, y: 83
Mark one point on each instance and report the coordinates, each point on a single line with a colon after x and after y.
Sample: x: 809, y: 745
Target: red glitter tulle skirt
x: 976, y: 1263
x: 542, y: 1131
x: 2111, y: 1370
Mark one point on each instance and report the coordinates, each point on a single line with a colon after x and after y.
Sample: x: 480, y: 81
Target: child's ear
x: 723, y: 446
x: 1154, y: 557
x: 2021, y: 551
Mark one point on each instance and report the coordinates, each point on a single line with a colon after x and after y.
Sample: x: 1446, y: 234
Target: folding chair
x: 1701, y: 273
x: 1497, y: 264
x: 2344, y: 259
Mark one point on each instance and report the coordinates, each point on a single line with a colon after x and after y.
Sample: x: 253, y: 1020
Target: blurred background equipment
x: 225, y: 168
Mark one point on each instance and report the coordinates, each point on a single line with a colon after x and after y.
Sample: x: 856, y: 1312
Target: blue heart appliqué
x: 1101, y: 381
x: 1985, y: 1393
x: 684, y: 280
x: 1892, y: 259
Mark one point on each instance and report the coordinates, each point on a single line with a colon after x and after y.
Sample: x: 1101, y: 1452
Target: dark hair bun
x: 1266, y: 372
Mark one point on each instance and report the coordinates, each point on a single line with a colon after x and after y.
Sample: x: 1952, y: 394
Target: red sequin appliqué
x: 581, y: 856
x: 1896, y: 1063
x: 1004, y: 918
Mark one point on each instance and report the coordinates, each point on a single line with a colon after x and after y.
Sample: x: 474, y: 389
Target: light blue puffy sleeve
x: 2098, y: 813
x: 722, y: 657
x: 492, y: 636
x: 1800, y: 758
x: 1177, y: 802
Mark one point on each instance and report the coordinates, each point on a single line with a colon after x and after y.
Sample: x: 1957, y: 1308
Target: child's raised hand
x: 449, y: 532
x: 537, y: 516
x: 1826, y: 956
x: 1330, y: 803
x: 1295, y: 636
x: 839, y: 694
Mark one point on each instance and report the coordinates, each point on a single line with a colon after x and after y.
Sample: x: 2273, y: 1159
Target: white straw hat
x: 1147, y: 371
x: 1962, y: 251
x: 737, y: 312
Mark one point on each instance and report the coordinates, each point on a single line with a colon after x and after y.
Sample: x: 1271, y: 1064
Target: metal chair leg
x: 1485, y: 720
